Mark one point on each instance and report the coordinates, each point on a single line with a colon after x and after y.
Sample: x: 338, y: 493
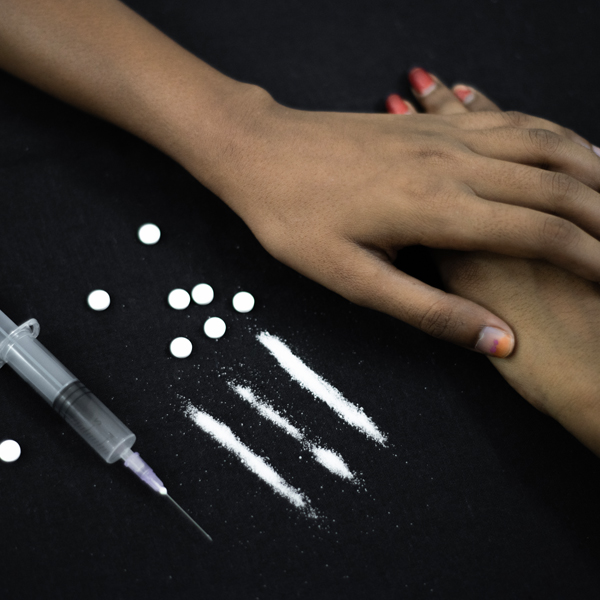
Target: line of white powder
x: 328, y: 458
x: 266, y: 411
x: 315, y: 384
x: 223, y: 434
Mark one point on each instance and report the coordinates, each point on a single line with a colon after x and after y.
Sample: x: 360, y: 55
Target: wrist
x: 220, y: 124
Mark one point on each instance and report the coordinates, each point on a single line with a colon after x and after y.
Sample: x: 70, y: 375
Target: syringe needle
x: 187, y: 516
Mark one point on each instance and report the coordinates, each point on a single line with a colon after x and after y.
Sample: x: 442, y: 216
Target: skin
x: 335, y: 196
x: 555, y: 315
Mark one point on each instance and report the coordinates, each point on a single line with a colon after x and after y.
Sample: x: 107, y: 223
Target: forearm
x: 105, y: 59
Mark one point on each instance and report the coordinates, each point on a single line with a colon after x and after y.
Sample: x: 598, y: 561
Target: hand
x: 555, y: 315
x: 336, y: 196
x: 333, y: 195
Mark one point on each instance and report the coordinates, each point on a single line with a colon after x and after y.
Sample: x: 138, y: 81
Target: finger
x: 546, y: 191
x: 490, y: 119
x: 472, y: 99
x: 377, y: 284
x: 516, y: 231
x: 395, y: 105
x: 433, y: 95
x: 538, y: 147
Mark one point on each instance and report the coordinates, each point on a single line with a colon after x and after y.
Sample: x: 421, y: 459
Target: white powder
x: 266, y: 411
x: 332, y: 461
x: 328, y: 458
x: 222, y: 434
x: 315, y: 384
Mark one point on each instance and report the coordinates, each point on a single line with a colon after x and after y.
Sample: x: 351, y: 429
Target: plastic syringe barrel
x: 94, y: 422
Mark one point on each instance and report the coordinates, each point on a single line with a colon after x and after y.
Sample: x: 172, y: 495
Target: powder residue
x: 224, y: 436
x: 266, y: 411
x: 320, y: 388
x: 333, y: 461
x: 328, y: 458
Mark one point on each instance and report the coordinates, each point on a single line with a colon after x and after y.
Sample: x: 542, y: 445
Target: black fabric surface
x: 476, y: 495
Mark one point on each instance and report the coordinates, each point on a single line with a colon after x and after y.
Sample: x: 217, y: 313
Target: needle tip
x: 207, y: 537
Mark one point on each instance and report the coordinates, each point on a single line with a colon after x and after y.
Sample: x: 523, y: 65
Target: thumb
x: 437, y: 313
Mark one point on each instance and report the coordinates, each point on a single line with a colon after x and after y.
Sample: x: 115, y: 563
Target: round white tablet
x: 99, y: 300
x: 203, y: 294
x: 9, y: 451
x: 181, y: 347
x: 214, y: 328
x: 149, y: 234
x: 179, y: 299
x: 243, y: 302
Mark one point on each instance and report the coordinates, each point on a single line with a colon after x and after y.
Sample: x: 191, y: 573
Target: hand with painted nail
x: 555, y: 315
x: 337, y: 196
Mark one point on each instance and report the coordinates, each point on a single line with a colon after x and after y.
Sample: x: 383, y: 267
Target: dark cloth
x: 476, y: 495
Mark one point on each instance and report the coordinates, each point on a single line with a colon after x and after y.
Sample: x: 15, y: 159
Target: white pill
x: 243, y: 302
x: 179, y: 299
x: 203, y: 294
x: 9, y: 451
x: 181, y: 347
x: 149, y: 234
x: 214, y: 328
x: 99, y: 300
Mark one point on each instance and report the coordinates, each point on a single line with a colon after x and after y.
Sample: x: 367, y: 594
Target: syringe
x: 94, y: 422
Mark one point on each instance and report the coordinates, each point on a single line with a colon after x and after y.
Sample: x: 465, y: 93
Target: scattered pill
x: 98, y: 300
x: 243, y: 302
x: 203, y: 294
x: 214, y: 328
x: 9, y: 451
x: 149, y: 234
x: 181, y: 347
x: 179, y: 299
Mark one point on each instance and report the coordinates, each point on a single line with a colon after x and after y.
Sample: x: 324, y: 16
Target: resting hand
x: 555, y: 315
x: 333, y: 195
x: 336, y: 196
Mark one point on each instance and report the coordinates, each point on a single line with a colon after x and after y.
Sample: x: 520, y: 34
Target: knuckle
x: 563, y: 189
x: 544, y: 140
x: 438, y: 154
x: 438, y: 320
x: 555, y: 231
x: 431, y: 154
x: 515, y: 118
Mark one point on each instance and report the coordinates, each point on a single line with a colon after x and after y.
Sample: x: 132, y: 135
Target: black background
x: 476, y: 495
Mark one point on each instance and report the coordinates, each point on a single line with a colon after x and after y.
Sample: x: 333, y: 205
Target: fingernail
x: 596, y: 150
x: 463, y: 93
x: 495, y: 342
x: 421, y: 81
x: 396, y: 106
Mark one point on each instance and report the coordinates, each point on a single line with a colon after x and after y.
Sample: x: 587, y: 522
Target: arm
x: 335, y: 196
x: 105, y: 59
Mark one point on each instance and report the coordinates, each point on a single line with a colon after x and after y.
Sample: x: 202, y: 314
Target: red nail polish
x: 396, y: 106
x: 463, y: 93
x: 421, y: 81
